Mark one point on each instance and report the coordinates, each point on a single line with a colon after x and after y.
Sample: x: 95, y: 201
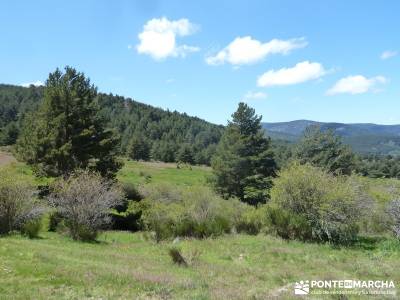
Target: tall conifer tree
x: 244, y: 164
x: 67, y: 132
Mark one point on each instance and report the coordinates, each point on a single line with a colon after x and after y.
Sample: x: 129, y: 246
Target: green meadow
x: 125, y: 265
x: 159, y: 172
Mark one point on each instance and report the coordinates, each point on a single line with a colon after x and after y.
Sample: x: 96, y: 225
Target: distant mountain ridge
x: 365, y: 138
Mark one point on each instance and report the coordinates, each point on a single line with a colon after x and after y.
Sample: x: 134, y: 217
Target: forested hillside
x: 166, y: 136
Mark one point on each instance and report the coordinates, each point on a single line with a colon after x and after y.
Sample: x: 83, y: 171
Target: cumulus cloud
x: 159, y: 38
x: 250, y: 95
x: 357, y: 84
x: 246, y: 50
x: 301, y: 72
x: 35, y: 83
x: 388, y: 54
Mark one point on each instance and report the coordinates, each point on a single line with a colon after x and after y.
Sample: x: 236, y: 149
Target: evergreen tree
x: 324, y: 149
x: 67, y: 132
x: 164, y: 151
x: 9, y: 134
x: 138, y: 148
x: 185, y: 154
x: 244, y: 164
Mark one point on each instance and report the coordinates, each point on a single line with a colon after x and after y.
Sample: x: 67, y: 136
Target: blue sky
x: 320, y: 60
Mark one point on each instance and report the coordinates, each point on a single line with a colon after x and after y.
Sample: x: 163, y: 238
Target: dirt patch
x: 6, y: 158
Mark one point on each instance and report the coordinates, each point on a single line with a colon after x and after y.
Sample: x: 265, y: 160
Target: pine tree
x: 67, y: 132
x: 138, y: 148
x: 185, y: 154
x: 9, y: 134
x: 324, y: 149
x: 244, y: 164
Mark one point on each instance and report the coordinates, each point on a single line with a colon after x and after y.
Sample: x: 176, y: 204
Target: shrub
x: 251, y: 220
x: 326, y: 206
x: 177, y: 257
x: 286, y: 224
x: 32, y: 228
x: 55, y: 218
x: 129, y: 219
x: 131, y: 192
x: 18, y: 206
x: 84, y: 201
x: 394, y: 213
x: 198, y: 212
x: 123, y: 216
x: 163, y: 193
x: 187, y: 258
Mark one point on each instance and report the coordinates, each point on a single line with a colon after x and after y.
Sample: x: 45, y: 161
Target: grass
x: 135, y: 172
x: 127, y: 266
x: 124, y: 265
x: 21, y: 171
x: 159, y: 172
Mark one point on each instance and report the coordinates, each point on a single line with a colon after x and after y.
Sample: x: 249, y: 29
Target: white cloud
x: 35, y: 83
x: 158, y: 38
x: 301, y: 72
x: 357, y: 84
x: 170, y: 80
x: 246, y: 50
x: 250, y: 95
x: 388, y: 54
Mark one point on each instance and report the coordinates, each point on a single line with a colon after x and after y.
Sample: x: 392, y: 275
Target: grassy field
x: 159, y: 172
x: 123, y: 265
x: 132, y: 171
x: 127, y: 266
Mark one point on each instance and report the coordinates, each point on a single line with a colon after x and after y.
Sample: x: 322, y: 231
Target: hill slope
x: 165, y: 132
x: 364, y: 138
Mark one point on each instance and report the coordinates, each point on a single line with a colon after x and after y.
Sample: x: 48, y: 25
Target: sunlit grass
x: 159, y: 172
x: 127, y: 266
x: 124, y: 265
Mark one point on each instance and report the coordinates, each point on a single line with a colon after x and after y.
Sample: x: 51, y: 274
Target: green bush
x: 124, y: 216
x: 129, y: 219
x: 251, y: 220
x: 287, y: 225
x: 202, y: 229
x: 314, y: 205
x: 32, y: 228
x: 131, y: 192
x: 55, y: 218
x: 196, y: 212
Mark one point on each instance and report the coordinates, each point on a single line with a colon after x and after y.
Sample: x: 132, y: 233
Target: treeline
x: 145, y: 132
x: 148, y: 133
x: 369, y: 165
x: 378, y: 166
x: 15, y: 102
x: 152, y: 133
